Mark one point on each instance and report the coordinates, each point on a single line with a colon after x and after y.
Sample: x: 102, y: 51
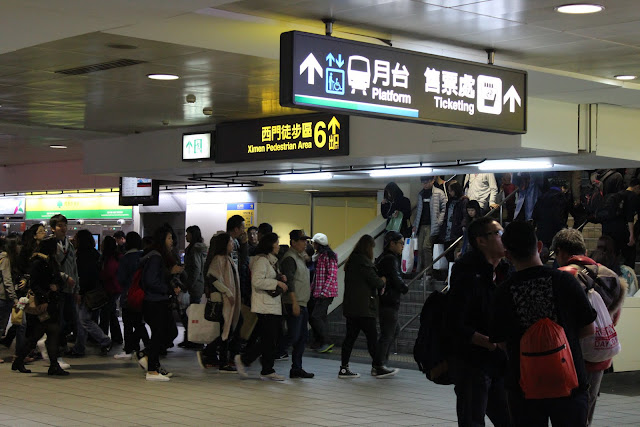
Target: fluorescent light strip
x: 353, y: 105
x: 162, y: 76
x: 400, y: 172
x: 514, y: 165
x: 317, y: 176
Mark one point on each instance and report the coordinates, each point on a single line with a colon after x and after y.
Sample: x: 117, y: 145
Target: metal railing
x: 438, y: 258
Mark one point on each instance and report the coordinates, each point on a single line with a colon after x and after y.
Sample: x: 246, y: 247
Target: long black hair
x: 326, y: 249
x: 265, y: 245
x: 159, y: 238
x: 217, y: 246
x: 364, y: 247
x: 85, y: 241
x: 196, y: 237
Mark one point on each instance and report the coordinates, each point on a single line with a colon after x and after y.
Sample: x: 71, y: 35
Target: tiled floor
x: 106, y: 392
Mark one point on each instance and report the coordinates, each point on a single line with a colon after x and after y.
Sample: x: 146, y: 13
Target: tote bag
x: 442, y: 263
x: 604, y: 344
x: 200, y: 330
x: 407, y: 255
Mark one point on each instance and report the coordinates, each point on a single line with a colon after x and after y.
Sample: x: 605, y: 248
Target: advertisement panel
x: 93, y: 207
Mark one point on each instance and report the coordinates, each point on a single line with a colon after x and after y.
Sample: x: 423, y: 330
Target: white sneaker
x: 42, y: 348
x: 63, y: 364
x: 157, y: 377
x: 144, y: 363
x: 123, y: 356
x: 240, y: 368
x: 272, y: 377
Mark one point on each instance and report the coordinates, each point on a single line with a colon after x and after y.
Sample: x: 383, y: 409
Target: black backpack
x: 612, y: 207
x: 431, y: 348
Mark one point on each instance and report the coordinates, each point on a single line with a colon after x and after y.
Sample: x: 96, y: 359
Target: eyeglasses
x: 496, y: 232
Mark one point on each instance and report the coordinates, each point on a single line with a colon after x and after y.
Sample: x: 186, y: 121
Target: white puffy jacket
x: 263, y: 279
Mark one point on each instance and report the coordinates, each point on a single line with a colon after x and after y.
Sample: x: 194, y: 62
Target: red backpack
x: 547, y: 370
x: 135, y: 295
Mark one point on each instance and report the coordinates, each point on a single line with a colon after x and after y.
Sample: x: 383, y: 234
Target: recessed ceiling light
x: 163, y: 76
x: 579, y: 8
x: 60, y: 147
x: 625, y: 77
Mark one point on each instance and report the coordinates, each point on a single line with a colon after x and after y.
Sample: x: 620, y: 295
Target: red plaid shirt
x: 325, y: 281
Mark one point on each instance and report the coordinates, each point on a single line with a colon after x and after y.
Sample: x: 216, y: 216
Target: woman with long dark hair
x: 324, y: 288
x: 158, y: 265
x: 194, y: 258
x: 360, y: 305
x: 267, y: 287
x: 88, y: 259
x: 227, y: 283
x: 395, y: 204
x: 45, y: 283
x: 109, y: 278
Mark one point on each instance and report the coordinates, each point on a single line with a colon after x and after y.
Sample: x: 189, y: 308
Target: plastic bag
x: 395, y: 223
x: 200, y: 330
x: 442, y: 263
x: 604, y: 344
x: 407, y: 255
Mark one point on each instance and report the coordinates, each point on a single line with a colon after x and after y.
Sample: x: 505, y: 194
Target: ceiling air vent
x: 118, y: 63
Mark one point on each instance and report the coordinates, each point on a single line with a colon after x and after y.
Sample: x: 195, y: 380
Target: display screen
x: 96, y: 239
x: 138, y: 191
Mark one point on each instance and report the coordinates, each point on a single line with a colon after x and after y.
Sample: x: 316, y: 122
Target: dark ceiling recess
x: 118, y: 63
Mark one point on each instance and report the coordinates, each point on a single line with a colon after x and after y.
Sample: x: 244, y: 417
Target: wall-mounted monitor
x: 138, y: 191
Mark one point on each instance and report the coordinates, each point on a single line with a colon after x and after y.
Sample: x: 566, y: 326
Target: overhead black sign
x: 327, y: 73
x: 286, y: 137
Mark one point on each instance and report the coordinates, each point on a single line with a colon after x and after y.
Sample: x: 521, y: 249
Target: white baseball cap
x: 321, y: 239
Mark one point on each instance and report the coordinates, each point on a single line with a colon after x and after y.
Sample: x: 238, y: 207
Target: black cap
x: 298, y: 235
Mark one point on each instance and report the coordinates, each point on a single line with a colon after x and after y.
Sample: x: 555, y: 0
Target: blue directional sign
x: 331, y: 74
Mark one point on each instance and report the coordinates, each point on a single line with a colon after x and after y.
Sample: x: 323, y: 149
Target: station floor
x: 103, y: 391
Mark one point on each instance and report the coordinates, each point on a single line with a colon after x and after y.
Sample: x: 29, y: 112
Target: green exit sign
x: 196, y: 146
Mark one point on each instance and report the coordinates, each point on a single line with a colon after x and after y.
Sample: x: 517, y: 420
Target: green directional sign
x: 196, y: 146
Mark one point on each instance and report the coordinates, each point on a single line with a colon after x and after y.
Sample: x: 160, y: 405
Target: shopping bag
x: 407, y: 256
x: 442, y: 263
x: 604, y: 344
x: 200, y: 330
x: 395, y: 223
x: 17, y: 316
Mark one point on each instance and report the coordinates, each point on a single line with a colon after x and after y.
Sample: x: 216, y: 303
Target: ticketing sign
x: 286, y: 137
x: 327, y: 73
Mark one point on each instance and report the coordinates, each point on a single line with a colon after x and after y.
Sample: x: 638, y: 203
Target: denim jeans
x: 388, y: 331
x: 86, y: 325
x: 297, y: 334
x: 594, y: 379
x: 318, y: 308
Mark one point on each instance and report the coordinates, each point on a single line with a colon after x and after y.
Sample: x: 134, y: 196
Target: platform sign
x: 331, y: 74
x: 286, y: 137
x: 245, y: 210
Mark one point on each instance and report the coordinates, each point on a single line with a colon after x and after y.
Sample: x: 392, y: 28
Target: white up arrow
x: 311, y: 65
x: 513, y: 97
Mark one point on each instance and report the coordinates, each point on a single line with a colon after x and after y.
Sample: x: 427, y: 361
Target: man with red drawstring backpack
x: 539, y: 317
x: 570, y: 250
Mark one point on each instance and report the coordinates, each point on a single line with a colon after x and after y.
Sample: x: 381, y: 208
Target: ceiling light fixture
x: 60, y: 147
x: 385, y: 173
x: 514, y: 165
x: 579, y: 8
x: 625, y: 77
x: 163, y: 76
x: 317, y: 176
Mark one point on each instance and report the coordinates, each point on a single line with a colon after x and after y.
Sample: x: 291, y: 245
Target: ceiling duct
x: 118, y: 63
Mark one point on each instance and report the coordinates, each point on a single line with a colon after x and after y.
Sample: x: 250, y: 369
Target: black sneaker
x: 383, y: 372
x: 228, y: 369
x: 346, y: 373
x: 164, y: 372
x: 73, y: 354
x: 104, y: 350
x: 58, y: 371
x: 300, y: 373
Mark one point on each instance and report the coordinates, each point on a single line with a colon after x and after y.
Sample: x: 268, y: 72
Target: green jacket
x: 361, y: 284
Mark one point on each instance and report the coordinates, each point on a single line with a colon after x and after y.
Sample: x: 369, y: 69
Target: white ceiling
x: 226, y: 53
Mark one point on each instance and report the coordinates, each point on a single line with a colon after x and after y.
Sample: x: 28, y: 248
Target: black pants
x: 318, y: 308
x: 35, y: 330
x: 388, y: 331
x: 565, y: 411
x: 156, y: 314
x: 267, y: 329
x: 477, y: 395
x: 354, y: 326
x: 109, y: 320
x: 134, y: 331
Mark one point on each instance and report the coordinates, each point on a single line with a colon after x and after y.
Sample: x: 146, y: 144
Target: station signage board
x: 196, y: 146
x: 331, y: 74
x: 245, y: 210
x: 12, y: 206
x: 285, y: 137
x: 95, y: 207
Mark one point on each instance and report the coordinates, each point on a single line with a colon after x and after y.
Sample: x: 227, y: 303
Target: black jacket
x: 471, y: 308
x: 361, y: 285
x: 88, y: 270
x: 388, y: 265
x: 457, y: 218
x: 43, y: 274
x: 402, y: 204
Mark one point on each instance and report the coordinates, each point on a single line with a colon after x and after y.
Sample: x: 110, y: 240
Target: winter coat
x: 263, y: 279
x: 156, y: 277
x: 437, y: 206
x: 88, y: 270
x: 194, y: 259
x: 457, y: 220
x: 228, y: 284
x: 361, y: 285
x: 7, y: 290
x: 388, y: 266
x: 108, y: 276
x: 126, y: 269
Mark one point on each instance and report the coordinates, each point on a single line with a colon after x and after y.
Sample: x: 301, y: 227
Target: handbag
x: 96, y: 298
x: 200, y: 330
x: 213, y: 308
x: 17, y: 316
x: 395, y: 223
x: 35, y: 309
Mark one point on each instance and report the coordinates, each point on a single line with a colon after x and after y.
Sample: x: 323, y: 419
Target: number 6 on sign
x: 319, y: 135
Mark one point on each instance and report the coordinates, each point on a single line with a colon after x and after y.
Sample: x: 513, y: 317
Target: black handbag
x: 96, y: 298
x: 213, y: 309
